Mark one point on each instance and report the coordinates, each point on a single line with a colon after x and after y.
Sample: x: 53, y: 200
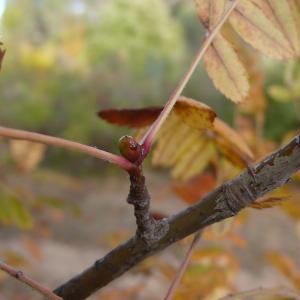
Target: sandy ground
x: 77, y: 242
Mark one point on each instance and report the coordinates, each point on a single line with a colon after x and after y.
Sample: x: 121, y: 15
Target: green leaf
x: 280, y: 93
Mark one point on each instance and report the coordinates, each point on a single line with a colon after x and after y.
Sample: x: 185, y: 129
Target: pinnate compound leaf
x: 191, y: 138
x: 285, y: 16
x: 254, y: 24
x: 221, y: 61
x: 191, y: 112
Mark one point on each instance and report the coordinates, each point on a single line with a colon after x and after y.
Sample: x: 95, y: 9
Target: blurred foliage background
x: 65, y: 60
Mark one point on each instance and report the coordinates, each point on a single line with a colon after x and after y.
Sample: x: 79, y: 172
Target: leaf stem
x: 66, y: 144
x: 182, y: 267
x: 19, y: 275
x: 148, y: 138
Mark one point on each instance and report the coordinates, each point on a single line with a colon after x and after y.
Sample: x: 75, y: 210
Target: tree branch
x: 19, y: 275
x: 224, y: 202
x: 62, y: 143
x: 149, y: 230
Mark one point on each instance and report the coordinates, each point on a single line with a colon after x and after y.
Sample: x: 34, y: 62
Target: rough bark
x: 224, y: 202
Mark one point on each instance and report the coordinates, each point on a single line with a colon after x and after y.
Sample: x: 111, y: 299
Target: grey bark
x: 224, y: 202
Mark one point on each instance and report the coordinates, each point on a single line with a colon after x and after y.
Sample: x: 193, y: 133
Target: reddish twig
x: 62, y: 143
x: 148, y: 138
x: 182, y: 267
x: 19, y: 275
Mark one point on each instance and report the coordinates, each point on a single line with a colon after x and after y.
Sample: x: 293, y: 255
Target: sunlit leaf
x: 285, y: 17
x: 194, y: 113
x: 255, y: 27
x: 221, y: 61
x: 191, y: 138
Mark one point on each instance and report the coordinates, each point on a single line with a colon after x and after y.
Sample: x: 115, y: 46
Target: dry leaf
x: 285, y: 16
x: 27, y: 155
x: 268, y: 202
x: 191, y: 138
x: 253, y: 24
x: 133, y: 118
x: 231, y: 144
x: 221, y: 61
x: 285, y: 266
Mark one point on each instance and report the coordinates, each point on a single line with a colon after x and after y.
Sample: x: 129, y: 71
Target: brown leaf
x: 194, y: 113
x: 255, y: 27
x: 133, y: 118
x: 196, y: 188
x: 268, y: 202
x: 190, y: 139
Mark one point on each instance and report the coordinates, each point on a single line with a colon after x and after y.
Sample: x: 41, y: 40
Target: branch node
x: 148, y: 229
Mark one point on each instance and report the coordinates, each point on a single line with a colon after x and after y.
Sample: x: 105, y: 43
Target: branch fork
x: 148, y: 229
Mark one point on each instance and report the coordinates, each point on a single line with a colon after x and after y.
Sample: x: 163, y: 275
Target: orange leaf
x: 194, y: 189
x: 268, y: 202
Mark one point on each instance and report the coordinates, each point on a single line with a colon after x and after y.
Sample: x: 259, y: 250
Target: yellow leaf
x: 254, y: 26
x: 285, y: 16
x: 226, y: 70
x: 231, y: 144
x: 194, y: 113
x: 27, y: 155
x: 221, y: 61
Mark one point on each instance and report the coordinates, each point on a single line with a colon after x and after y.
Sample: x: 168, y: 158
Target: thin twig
x: 182, y: 267
x: 62, y: 143
x: 19, y: 275
x: 148, y: 138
